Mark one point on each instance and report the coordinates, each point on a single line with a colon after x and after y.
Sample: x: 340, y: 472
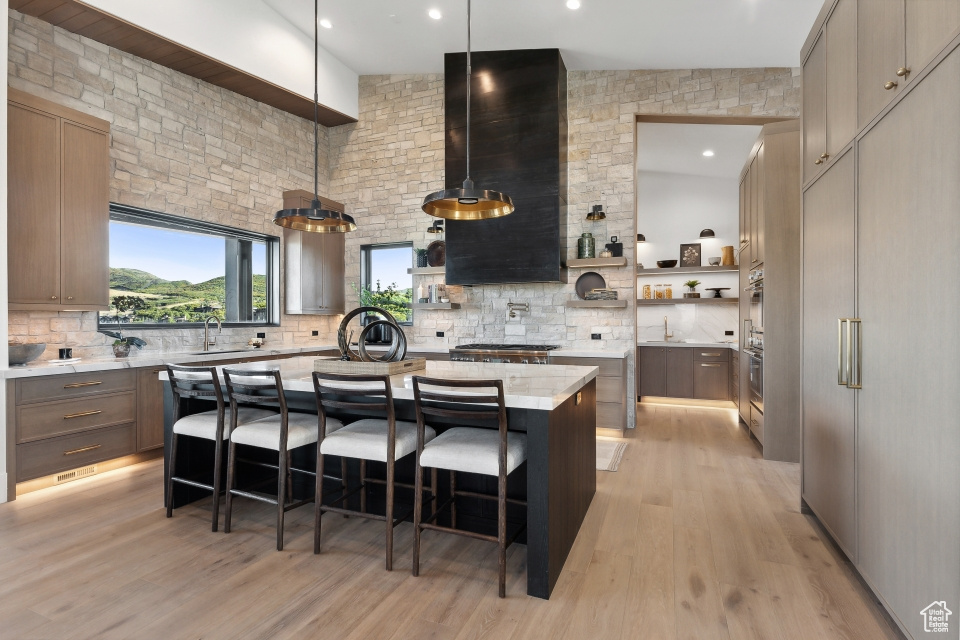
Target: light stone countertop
x: 525, y: 386
x: 720, y: 345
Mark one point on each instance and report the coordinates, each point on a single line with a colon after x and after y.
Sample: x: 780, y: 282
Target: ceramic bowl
x: 666, y: 264
x: 714, y: 262
x: 21, y: 354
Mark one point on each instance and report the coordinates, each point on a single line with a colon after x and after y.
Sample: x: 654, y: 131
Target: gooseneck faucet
x: 206, y: 332
x: 666, y: 334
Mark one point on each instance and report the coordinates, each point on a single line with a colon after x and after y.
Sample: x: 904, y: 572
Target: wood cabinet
x: 880, y: 448
x: 814, y: 92
x: 829, y: 410
x: 611, y: 388
x: 58, y: 204
x: 735, y: 377
x: 149, y: 408
x: 675, y: 372
x: 313, y: 264
x: 908, y: 441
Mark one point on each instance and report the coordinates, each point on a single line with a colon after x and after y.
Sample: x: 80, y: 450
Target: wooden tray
x: 355, y: 367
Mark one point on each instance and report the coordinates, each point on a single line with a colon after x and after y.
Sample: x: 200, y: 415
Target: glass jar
x: 658, y: 292
x: 646, y: 292
x: 668, y: 291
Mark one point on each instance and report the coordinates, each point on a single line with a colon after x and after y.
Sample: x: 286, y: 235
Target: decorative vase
x: 586, y: 246
x: 121, y: 350
x: 421, y: 260
x: 726, y: 256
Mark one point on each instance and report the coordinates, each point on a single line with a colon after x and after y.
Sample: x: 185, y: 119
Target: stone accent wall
x: 179, y: 146
x: 384, y: 165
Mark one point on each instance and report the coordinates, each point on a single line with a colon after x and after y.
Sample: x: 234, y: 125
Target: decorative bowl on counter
x: 666, y: 264
x: 21, y: 354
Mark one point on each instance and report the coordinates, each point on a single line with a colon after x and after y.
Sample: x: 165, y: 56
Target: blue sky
x: 173, y: 255
x: 390, y: 266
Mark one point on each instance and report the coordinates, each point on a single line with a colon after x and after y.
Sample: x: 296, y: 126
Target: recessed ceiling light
x: 435, y: 14
x: 573, y: 4
x: 708, y: 154
x: 326, y: 24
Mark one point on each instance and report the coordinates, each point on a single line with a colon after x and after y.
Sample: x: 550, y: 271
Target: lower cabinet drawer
x: 610, y: 415
x: 43, y: 457
x: 75, y: 385
x: 756, y: 423
x: 711, y: 355
x: 48, y: 419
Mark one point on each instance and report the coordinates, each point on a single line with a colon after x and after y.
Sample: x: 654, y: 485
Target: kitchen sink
x: 217, y: 352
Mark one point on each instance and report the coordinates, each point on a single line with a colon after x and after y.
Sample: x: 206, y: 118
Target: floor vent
x: 83, y: 472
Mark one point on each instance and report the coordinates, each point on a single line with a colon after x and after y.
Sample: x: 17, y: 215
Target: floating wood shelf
x: 436, y: 305
x: 689, y: 301
x: 707, y: 269
x: 586, y: 263
x: 596, y: 304
x: 427, y: 271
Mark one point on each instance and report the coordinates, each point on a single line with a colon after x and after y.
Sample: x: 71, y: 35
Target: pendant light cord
x: 316, y: 110
x: 469, y: 70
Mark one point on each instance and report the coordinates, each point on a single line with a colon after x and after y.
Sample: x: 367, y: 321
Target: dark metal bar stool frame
x: 237, y: 393
x: 442, y: 405
x: 386, y: 406
x: 185, y: 387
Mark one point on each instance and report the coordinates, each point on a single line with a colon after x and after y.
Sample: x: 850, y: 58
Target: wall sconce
x: 436, y: 227
x: 708, y: 233
x: 641, y: 238
x: 597, y: 213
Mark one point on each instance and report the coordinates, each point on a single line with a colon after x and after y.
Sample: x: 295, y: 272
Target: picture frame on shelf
x: 690, y: 255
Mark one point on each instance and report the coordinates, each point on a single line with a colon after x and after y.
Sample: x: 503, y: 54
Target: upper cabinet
x: 830, y: 89
x: 313, y: 264
x: 58, y: 204
x: 896, y: 39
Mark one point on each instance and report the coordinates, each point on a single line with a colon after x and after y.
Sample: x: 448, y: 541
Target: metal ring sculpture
x: 398, y: 342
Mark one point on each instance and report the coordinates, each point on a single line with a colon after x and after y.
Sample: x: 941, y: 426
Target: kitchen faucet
x: 666, y: 334
x: 206, y: 329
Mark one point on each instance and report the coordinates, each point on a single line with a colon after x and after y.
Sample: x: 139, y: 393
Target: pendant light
x: 315, y: 219
x: 468, y: 202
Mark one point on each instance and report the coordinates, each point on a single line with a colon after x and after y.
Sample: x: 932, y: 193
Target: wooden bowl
x: 666, y: 264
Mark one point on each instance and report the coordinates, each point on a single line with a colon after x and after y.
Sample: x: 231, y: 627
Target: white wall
x: 4, y: 362
x: 672, y: 209
x: 251, y: 36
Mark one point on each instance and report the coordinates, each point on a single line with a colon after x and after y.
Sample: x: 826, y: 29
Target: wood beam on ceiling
x: 80, y: 18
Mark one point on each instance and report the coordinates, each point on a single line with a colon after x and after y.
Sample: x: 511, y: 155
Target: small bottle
x: 420, y: 295
x: 646, y: 292
x: 668, y: 291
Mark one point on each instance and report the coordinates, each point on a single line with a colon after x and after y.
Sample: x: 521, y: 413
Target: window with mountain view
x: 166, y: 270
x: 385, y: 282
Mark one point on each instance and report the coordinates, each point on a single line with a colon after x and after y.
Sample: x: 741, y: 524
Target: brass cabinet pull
x: 903, y: 71
x: 859, y: 348
x: 82, y: 414
x: 840, y: 359
x: 53, y: 297
x: 890, y: 84
x: 81, y: 450
x: 824, y: 155
x: 818, y: 161
x: 703, y: 355
x: 76, y: 385
x: 704, y: 364
x: 69, y: 297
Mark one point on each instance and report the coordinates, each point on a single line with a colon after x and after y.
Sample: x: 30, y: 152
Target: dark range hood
x: 518, y: 147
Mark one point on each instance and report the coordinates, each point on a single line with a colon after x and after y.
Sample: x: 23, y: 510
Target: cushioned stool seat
x: 367, y: 439
x: 265, y: 433
x: 204, y: 425
x: 473, y: 450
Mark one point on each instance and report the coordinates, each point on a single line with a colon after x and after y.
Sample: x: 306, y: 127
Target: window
x: 384, y: 279
x: 170, y: 271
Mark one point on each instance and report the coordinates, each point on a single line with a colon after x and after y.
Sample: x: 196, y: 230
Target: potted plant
x: 691, y: 286
x: 421, y: 257
x: 124, y: 304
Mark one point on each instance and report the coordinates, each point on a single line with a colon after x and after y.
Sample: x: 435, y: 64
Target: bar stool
x: 466, y: 449
x: 281, y: 432
x: 207, y: 425
x: 380, y: 439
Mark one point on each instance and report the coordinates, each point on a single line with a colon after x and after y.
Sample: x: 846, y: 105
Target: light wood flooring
x: 694, y: 537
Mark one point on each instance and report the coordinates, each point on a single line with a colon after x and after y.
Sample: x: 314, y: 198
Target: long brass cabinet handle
x: 841, y: 374
x: 82, y: 414
x: 709, y: 354
x: 81, y: 450
x: 77, y: 385
x: 855, y: 344
x: 704, y: 364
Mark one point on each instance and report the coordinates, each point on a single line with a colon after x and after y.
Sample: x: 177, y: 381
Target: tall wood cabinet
x: 58, y: 204
x: 880, y: 346
x: 313, y: 264
x: 772, y: 176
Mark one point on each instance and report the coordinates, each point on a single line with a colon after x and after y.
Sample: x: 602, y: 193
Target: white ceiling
x: 397, y: 36
x: 678, y: 148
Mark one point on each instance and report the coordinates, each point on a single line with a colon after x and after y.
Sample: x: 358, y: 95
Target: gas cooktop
x: 508, y: 347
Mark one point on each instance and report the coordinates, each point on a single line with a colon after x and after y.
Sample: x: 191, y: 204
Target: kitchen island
x: 554, y: 405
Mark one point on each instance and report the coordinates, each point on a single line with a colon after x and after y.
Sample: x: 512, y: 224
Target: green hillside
x: 174, y: 300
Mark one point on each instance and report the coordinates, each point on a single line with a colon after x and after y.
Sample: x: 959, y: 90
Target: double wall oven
x: 752, y: 345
